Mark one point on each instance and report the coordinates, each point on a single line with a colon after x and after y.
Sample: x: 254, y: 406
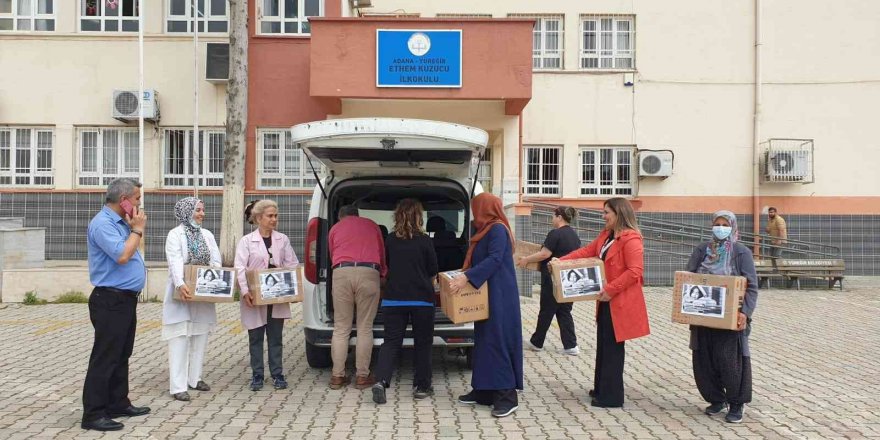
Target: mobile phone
x: 127, y: 208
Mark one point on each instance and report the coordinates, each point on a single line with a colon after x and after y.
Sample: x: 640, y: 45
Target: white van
x: 372, y: 163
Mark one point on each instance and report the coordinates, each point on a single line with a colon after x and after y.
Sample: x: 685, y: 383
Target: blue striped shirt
x: 106, y: 239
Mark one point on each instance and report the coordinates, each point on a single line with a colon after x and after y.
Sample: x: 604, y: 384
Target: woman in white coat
x: 186, y: 324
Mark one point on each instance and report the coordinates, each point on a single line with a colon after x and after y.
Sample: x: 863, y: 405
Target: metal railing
x: 668, y: 244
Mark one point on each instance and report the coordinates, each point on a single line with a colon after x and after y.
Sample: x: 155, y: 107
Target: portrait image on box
x: 213, y: 282
x: 580, y: 281
x: 277, y: 285
x: 702, y: 300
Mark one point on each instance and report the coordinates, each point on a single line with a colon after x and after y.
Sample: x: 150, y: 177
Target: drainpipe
x: 756, y: 131
x: 520, y: 117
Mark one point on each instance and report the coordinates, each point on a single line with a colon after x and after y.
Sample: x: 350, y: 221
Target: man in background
x: 777, y: 231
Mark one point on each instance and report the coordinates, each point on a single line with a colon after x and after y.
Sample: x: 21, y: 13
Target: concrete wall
x: 50, y: 283
x: 22, y: 247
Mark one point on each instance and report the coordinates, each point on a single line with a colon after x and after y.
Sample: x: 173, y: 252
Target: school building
x: 684, y: 107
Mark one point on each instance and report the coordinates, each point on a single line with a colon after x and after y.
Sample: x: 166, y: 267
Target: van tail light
x: 311, y: 251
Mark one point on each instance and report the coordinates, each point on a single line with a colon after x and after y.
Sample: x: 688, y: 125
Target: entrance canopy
x: 421, y: 59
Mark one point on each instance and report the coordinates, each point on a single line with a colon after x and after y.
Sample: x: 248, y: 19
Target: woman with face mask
x: 186, y: 324
x: 721, y: 358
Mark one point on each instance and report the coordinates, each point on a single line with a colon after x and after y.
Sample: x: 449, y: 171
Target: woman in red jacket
x: 621, y: 313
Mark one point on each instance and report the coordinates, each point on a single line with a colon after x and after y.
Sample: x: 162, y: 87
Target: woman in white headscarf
x: 721, y: 358
x: 186, y: 324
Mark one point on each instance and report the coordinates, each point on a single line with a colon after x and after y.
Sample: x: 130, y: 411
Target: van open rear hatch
x: 392, y: 146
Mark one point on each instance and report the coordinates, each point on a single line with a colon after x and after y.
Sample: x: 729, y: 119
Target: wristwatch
x: 135, y: 231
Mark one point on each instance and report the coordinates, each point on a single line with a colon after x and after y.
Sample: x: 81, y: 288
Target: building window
x: 106, y: 154
x: 484, y: 173
x: 27, y: 15
x: 607, y: 42
x: 179, y: 167
x: 212, y: 13
x: 26, y: 156
x: 289, y: 17
x: 542, y: 171
x: 281, y: 164
x: 607, y: 171
x: 109, y: 15
x: 546, y: 41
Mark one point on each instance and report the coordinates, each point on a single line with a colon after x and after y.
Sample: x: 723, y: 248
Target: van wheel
x: 469, y: 358
x: 318, y: 357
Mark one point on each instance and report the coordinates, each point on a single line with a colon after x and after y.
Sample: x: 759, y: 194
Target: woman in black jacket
x: 408, y: 299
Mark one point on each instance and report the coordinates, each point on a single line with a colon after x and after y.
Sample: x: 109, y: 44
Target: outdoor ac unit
x: 126, y: 106
x: 788, y: 166
x: 655, y: 163
x: 217, y: 63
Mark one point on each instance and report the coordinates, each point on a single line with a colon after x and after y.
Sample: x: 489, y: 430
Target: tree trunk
x: 231, y: 225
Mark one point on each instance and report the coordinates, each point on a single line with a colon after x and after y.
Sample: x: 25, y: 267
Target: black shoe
x: 102, y: 424
x: 257, y: 383
x: 183, y: 397
x: 280, y: 383
x: 131, y: 411
x: 201, y: 386
x: 592, y: 393
x: 596, y: 403
x: 735, y: 414
x: 472, y: 399
x: 715, y: 408
x: 379, y: 393
x: 422, y: 392
x: 504, y: 411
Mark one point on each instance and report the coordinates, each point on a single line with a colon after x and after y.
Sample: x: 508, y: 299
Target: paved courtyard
x: 815, y: 358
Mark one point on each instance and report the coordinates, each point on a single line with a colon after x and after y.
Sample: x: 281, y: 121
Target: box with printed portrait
x: 577, y: 280
x: 707, y: 300
x: 276, y: 286
x: 209, y: 284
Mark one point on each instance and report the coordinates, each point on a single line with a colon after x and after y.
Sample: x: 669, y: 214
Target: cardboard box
x: 468, y: 305
x: 276, y: 286
x: 707, y: 300
x: 577, y: 280
x: 524, y: 249
x: 209, y: 284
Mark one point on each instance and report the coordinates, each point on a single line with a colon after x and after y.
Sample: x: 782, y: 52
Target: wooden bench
x: 792, y: 270
x: 766, y: 271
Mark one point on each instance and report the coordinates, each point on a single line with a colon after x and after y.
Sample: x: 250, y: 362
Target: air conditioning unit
x: 217, y: 62
x: 655, y: 163
x: 788, y: 166
x: 126, y: 106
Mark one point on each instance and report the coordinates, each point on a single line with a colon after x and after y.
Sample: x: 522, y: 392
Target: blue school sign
x: 416, y: 58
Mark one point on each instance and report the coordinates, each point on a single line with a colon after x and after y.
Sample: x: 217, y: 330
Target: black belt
x: 353, y: 264
x: 122, y: 291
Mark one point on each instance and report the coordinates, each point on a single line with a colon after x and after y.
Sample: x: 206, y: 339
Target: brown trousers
x: 355, y: 290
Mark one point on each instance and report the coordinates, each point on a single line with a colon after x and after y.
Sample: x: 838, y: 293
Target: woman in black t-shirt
x: 560, y: 241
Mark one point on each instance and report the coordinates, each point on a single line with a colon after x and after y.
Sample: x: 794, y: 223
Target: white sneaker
x: 534, y: 347
x: 573, y: 351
